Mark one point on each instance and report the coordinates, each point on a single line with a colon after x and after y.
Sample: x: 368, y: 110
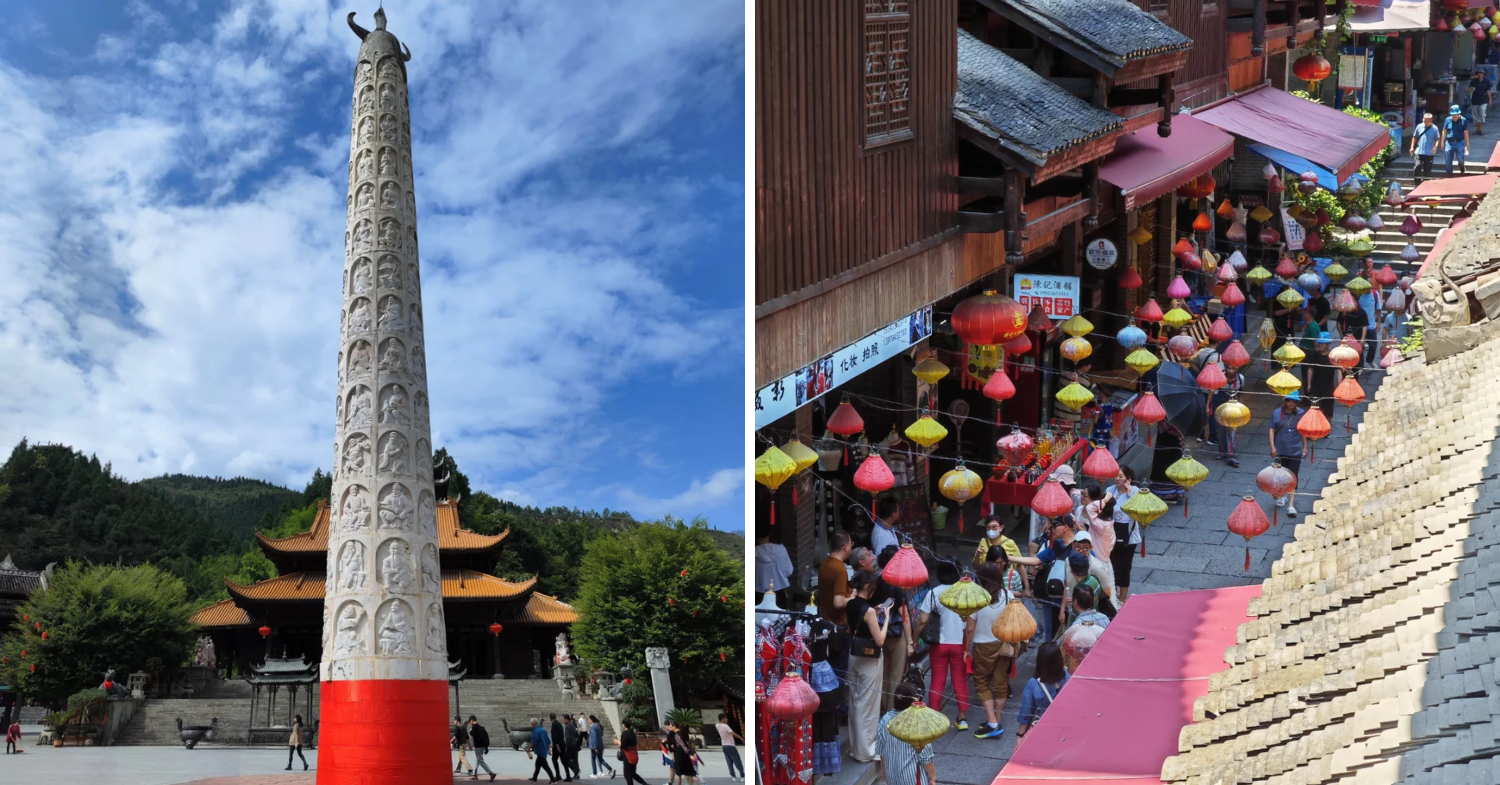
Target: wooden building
x: 291, y: 605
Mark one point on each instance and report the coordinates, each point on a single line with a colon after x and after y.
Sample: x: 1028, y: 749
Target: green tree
x: 663, y: 584
x: 96, y: 618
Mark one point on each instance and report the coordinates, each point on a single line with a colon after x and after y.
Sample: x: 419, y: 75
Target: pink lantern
x: 1235, y: 356
x: 1100, y: 465
x: 1182, y: 347
x: 1078, y: 641
x: 1220, y: 331
x: 1232, y: 296
x: 1276, y: 480
x: 1411, y: 225
x: 793, y: 700
x: 1192, y: 261
x: 1392, y: 356
x: 1052, y: 501
x: 1269, y: 236
x: 874, y: 476
x: 1353, y: 222
x: 1015, y: 446
x: 1211, y: 378
x: 999, y: 386
x: 1178, y: 289
x: 1227, y: 273
x: 1385, y: 276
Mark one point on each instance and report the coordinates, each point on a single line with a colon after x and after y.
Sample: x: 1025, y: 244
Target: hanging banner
x: 1294, y: 231
x: 807, y: 384
x: 1058, y: 294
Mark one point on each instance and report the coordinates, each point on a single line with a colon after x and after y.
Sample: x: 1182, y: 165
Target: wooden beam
x: 1074, y: 157
x: 1015, y: 216
x: 1010, y: 158
x: 1168, y: 100
x: 981, y: 222
x: 1137, y: 122
x: 1258, y: 31
x: 1062, y: 216
x: 1091, y: 195
x: 979, y: 186
x: 1099, y: 91
x: 1291, y: 39
x: 1026, y: 23
x: 1133, y: 96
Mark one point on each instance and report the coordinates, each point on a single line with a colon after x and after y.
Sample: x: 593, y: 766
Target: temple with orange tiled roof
x: 290, y: 605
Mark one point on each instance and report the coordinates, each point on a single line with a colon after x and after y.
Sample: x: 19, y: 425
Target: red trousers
x: 949, y: 658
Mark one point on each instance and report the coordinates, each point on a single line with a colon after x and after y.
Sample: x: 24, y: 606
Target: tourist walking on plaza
x: 460, y: 742
x: 596, y: 749
x: 1455, y: 141
x: 571, y: 744
x: 1288, y: 445
x: 1043, y: 688
x: 1098, y: 516
x: 731, y: 753
x: 900, y: 763
x: 538, y: 746
x: 1479, y: 102
x: 630, y: 755
x: 991, y: 656
x: 993, y: 537
x: 950, y: 654
x: 1127, y: 533
x: 683, y: 755
x: 865, y: 673
x: 1424, y: 145
x: 556, y: 731
x: 294, y: 744
x: 479, y: 741
x: 833, y: 596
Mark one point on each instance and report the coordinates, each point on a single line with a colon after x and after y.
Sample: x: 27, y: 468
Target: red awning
x: 1327, y: 137
x: 1442, y: 240
x: 1118, y: 719
x: 1454, y: 187
x: 1145, y: 166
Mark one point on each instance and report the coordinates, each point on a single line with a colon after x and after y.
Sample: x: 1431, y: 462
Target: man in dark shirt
x: 1479, y: 103
x: 557, y: 749
x: 1356, y: 325
x: 481, y: 739
x: 833, y: 580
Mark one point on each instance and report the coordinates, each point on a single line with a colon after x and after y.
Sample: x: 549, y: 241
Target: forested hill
x: 58, y: 504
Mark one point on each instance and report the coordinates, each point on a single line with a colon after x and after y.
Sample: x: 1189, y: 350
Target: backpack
x: 933, y: 632
x: 1057, y: 578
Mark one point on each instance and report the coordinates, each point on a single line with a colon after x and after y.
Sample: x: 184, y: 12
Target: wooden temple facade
x: 291, y: 605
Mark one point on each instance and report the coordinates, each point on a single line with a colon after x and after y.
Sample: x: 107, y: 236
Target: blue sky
x: 171, y: 239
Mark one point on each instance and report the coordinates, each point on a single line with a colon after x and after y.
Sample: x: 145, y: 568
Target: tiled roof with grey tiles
x: 1001, y: 98
x: 1115, y: 30
x: 1372, y: 655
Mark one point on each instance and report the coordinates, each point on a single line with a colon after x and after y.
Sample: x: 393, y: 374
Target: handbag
x: 864, y: 647
x: 620, y: 755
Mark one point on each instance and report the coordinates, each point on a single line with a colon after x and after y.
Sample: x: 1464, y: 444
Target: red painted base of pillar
x: 388, y: 732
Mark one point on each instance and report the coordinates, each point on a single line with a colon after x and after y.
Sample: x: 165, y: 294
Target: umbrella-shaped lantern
x: 1141, y: 361
x: 1150, y: 312
x: 1078, y: 641
x: 1350, y: 394
x: 1220, y: 331
x: 773, y: 468
x: 1186, y: 472
x: 1051, y: 500
x: 1248, y: 520
x: 793, y: 700
x: 1131, y: 337
x: 1075, y: 396
x: 1129, y: 279
x: 919, y: 726
x: 1313, y: 243
x: 929, y: 369
x: 999, y: 386
x: 1176, y: 318
x: 964, y: 597
x: 905, y: 570
x: 1015, y: 624
x: 1143, y: 508
x: 1100, y: 464
x: 1276, y: 480
x: 1232, y: 295
x: 960, y: 484
x: 1182, y: 347
x: 926, y: 431
x: 1313, y: 426
x: 1148, y: 411
x: 1335, y: 272
x: 845, y: 422
x: 874, y: 476
x: 1076, y: 349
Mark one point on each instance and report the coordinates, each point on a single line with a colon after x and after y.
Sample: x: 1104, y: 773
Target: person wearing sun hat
x: 1064, y: 475
x: 1455, y: 139
x: 1288, y: 444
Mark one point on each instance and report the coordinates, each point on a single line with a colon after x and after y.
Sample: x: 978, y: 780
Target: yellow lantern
x: 1296, y: 210
x: 1289, y: 297
x: 1075, y: 396
x: 1361, y: 246
x: 774, y: 467
x: 926, y: 431
x: 1176, y: 318
x: 1260, y: 213
x: 1335, y: 272
x: 1139, y: 235
x: 930, y: 369
x: 1210, y: 262
x: 1187, y: 473
x: 1141, y: 361
x: 964, y: 597
x: 1283, y: 383
x: 919, y: 725
x: 1144, y: 507
x: 1077, y: 349
x: 801, y: 454
x: 1266, y: 336
x: 1077, y: 326
x: 1289, y: 355
x: 1258, y: 275
x: 1232, y: 414
x: 1358, y: 287
x: 960, y: 484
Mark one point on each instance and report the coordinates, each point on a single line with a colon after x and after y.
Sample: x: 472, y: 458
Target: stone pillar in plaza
x: 384, y: 670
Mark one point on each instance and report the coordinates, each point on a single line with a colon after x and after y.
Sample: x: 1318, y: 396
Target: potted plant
x: 691, y: 723
x: 57, y: 722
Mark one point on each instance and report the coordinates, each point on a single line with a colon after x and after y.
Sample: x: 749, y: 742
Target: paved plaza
x: 214, y: 765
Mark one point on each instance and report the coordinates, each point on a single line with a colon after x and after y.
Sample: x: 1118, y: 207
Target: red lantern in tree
x: 905, y: 570
x: 1312, y: 67
x: 38, y: 626
x: 999, y: 386
x: 1248, y: 520
x: 1232, y: 296
x: 988, y: 319
x: 1129, y: 279
x: 1220, y: 331
x: 1148, y: 411
x: 627, y: 681
x: 873, y: 476
x: 1150, y: 312
x: 1101, y: 465
x: 1313, y: 426
x: 108, y: 685
x: 793, y: 700
x: 845, y: 422
x: 33, y: 667
x: 1052, y: 501
x: 44, y: 635
x: 495, y: 628
x: 264, y: 631
x: 1276, y: 480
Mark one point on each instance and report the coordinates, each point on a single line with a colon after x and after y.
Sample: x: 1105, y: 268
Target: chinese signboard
x: 1058, y: 294
x: 1295, y: 234
x: 1101, y: 254
x: 791, y: 392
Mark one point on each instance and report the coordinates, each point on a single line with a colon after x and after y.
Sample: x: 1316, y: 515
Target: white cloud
x: 171, y: 239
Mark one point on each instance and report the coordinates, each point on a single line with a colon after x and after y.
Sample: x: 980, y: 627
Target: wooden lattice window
x: 1159, y: 7
x: 887, y: 65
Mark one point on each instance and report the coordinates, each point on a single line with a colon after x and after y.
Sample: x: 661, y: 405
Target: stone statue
x: 387, y: 161
x: 393, y: 407
x: 203, y: 655
x: 366, y: 131
x: 364, y: 197
x: 416, y: 320
x: 388, y: 70
x: 418, y: 363
x: 388, y: 129
x: 436, y: 637
x: 1433, y: 302
x: 390, y: 316
x: 365, y: 165
x: 387, y: 96
x: 359, y: 316
x: 396, y: 568
x: 390, y: 196
x: 430, y: 571
x: 359, y: 359
x: 366, y: 100
x: 358, y: 415
x: 363, y: 72
x: 564, y: 657
x: 390, y: 271
x: 396, y: 508
x: 356, y: 513
x: 350, y: 638
x: 395, y: 630
x: 429, y: 514
x: 391, y: 357
x: 352, y: 566
x: 422, y: 408
x: 357, y: 454
x: 424, y: 458
x: 657, y: 658
x: 393, y: 454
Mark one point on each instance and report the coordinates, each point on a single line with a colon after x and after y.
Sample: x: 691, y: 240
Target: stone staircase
x: 491, y: 700
x: 1389, y: 241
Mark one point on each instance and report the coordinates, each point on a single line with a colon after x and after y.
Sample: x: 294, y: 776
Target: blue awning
x: 1297, y: 164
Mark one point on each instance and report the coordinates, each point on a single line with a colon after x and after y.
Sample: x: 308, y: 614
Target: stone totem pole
x: 385, y: 666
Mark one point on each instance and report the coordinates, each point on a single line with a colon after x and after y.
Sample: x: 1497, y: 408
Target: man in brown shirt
x: 833, y: 580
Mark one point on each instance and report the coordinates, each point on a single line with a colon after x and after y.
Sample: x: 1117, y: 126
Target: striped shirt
x: 900, y: 758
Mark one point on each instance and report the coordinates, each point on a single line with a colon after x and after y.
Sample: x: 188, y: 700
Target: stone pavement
x: 216, y: 765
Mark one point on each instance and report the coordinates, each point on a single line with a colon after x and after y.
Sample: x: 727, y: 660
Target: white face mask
x: 993, y: 534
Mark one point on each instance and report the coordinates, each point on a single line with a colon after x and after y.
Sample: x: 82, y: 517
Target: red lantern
x: 793, y: 700
x: 33, y: 667
x: 26, y: 617
x: 1038, y: 320
x: 627, y: 680
x: 988, y: 319
x: 1312, y: 67
x: 1211, y: 378
x: 1235, y: 356
x: 1274, y: 185
x: 1248, y: 520
x: 1204, y: 186
x: 1286, y: 268
x: 1202, y: 223
x: 1182, y: 347
x: 1323, y: 218
x: 905, y: 570
x: 1226, y: 210
x: 495, y: 629
x: 845, y: 422
x: 1148, y: 411
x: 1350, y: 394
x: 1182, y: 248
x: 1276, y: 480
x: 44, y: 635
x: 1192, y: 261
x: 873, y: 476
x: 1353, y: 222
x: 1101, y: 465
x: 1129, y: 279
x: 264, y: 631
x: 1313, y: 243
x: 1015, y: 446
x: 1313, y: 426
x: 1150, y: 312
x: 1220, y: 331
x: 23, y: 652
x: 1052, y: 501
x: 999, y: 386
x: 1385, y: 276
x: 1232, y: 296
x: 1021, y: 345
x: 39, y: 626
x: 683, y: 574
x: 1269, y: 236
